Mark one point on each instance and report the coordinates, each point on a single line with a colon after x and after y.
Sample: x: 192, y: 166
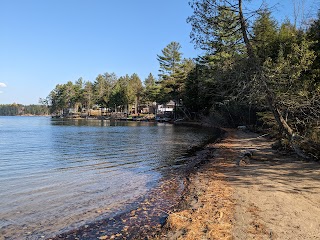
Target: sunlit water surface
x: 56, y: 175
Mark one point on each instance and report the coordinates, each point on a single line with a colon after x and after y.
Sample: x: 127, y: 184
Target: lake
x: 57, y: 175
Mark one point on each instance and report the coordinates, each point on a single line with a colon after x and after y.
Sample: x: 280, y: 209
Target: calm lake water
x: 56, y: 175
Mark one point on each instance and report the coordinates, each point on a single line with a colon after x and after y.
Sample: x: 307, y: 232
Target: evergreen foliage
x: 170, y: 72
x: 151, y: 90
x: 107, y: 91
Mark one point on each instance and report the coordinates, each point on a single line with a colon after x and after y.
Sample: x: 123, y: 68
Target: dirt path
x: 273, y: 197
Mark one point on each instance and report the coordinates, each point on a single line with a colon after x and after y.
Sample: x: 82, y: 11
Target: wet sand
x: 145, y: 217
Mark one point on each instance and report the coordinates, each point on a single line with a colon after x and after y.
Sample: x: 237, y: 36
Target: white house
x: 168, y: 107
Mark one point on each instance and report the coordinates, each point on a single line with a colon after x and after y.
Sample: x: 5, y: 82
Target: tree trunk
x: 136, y: 105
x: 244, y: 32
x: 272, y: 103
x: 270, y: 96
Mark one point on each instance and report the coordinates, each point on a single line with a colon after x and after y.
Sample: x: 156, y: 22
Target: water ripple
x: 71, y: 172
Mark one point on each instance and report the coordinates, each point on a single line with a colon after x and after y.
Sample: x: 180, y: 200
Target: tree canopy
x: 273, y: 68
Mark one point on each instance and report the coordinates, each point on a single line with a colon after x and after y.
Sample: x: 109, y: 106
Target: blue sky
x: 47, y: 42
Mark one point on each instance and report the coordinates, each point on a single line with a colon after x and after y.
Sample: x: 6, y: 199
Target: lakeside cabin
x: 147, y: 112
x: 165, y: 112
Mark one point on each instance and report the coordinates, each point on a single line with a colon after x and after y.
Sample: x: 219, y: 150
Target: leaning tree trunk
x: 272, y: 104
x: 270, y: 96
x: 244, y: 32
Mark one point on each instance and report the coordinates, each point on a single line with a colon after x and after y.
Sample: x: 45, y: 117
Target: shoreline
x: 221, y: 200
x: 145, y: 217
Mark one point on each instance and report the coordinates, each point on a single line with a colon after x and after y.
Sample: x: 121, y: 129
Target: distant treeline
x: 19, y: 110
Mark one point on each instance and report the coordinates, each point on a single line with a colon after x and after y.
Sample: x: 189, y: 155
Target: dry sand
x: 274, y: 197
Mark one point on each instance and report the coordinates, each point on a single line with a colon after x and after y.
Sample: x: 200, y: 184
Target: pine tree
x: 265, y: 36
x: 135, y: 88
x: 151, y: 90
x: 170, y: 61
x: 170, y: 73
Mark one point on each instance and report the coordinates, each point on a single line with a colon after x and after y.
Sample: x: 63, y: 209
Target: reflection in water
x: 58, y: 174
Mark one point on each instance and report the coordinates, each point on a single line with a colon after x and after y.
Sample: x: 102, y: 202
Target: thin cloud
x: 1, y: 92
x: 2, y: 84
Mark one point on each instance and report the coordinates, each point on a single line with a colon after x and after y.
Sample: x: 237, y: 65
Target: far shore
x: 25, y: 115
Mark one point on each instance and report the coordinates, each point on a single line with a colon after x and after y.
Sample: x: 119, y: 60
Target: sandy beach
x: 275, y: 196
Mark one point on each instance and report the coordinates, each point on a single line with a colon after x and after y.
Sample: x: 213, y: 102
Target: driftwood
x: 244, y: 157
